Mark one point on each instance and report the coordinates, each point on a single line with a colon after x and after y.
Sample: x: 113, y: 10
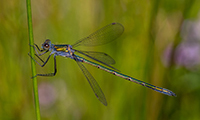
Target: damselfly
x: 101, y: 36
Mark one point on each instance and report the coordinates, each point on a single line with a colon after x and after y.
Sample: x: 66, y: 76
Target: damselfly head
x: 46, y: 45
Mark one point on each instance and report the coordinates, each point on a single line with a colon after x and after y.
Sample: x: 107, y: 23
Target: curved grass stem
x: 31, y: 42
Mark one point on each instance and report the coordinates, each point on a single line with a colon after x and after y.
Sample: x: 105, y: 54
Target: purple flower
x: 187, y: 53
x: 47, y: 94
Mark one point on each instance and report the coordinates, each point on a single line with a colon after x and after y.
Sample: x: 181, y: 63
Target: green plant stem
x: 31, y: 42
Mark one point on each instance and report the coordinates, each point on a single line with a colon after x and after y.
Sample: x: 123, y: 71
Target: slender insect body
x: 100, y: 37
x: 158, y: 89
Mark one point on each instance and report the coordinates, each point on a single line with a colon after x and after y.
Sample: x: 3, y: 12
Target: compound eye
x: 46, y: 45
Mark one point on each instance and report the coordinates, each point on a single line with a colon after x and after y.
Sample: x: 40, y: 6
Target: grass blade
x: 31, y: 42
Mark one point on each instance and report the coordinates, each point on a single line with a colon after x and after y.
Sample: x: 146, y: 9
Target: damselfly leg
x: 44, y: 63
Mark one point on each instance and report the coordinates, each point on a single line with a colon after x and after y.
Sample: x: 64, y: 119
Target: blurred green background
x: 160, y: 45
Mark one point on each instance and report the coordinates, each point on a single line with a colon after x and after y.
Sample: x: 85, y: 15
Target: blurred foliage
x: 150, y: 28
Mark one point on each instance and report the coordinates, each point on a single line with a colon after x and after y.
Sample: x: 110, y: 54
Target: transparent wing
x: 99, y: 57
x: 94, y: 85
x: 102, y: 36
